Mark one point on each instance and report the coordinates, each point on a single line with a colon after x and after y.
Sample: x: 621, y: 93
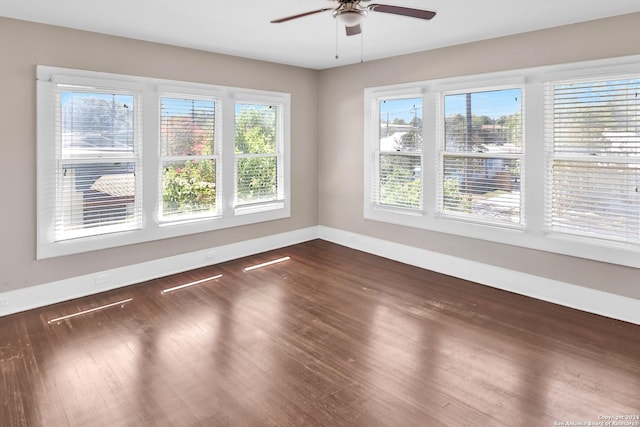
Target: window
x: 97, y: 172
x: 127, y: 159
x: 398, y: 153
x: 546, y: 158
x: 594, y: 158
x: 481, y: 160
x: 188, y: 157
x: 258, y: 154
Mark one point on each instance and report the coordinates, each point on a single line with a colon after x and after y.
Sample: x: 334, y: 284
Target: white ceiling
x: 242, y: 28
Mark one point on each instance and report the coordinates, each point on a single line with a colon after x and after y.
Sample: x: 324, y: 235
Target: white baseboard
x: 76, y: 287
x: 567, y: 294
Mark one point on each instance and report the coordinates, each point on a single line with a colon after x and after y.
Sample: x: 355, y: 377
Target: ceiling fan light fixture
x: 350, y: 17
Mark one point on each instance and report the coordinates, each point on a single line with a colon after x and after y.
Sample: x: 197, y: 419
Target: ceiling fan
x: 352, y: 12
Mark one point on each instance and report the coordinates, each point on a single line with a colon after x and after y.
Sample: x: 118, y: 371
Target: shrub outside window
x: 258, y: 154
x: 188, y: 157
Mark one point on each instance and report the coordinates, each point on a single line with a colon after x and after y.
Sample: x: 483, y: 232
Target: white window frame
x: 214, y: 97
x: 152, y: 228
x: 443, y: 153
x: 55, y: 149
x: 373, y: 138
x: 588, y: 158
x: 282, y: 153
x: 533, y: 233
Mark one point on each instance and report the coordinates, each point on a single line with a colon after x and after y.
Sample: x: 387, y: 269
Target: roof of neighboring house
x: 116, y: 185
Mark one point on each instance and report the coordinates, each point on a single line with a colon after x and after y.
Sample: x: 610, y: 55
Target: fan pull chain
x: 361, y: 46
x: 337, y: 29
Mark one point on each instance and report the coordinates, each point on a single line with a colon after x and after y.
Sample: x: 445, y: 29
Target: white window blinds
x: 398, y: 180
x: 593, y: 146
x: 188, y: 157
x: 258, y: 147
x: 98, y: 176
x: 481, y: 160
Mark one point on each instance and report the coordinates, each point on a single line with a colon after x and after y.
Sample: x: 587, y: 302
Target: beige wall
x: 341, y: 140
x: 24, y: 45
x: 327, y: 139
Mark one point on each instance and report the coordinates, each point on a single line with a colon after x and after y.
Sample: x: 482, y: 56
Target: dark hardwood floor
x: 331, y: 337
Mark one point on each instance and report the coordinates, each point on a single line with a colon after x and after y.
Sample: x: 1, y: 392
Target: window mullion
x: 152, y: 184
x: 430, y: 161
x: 533, y: 170
x: 227, y: 156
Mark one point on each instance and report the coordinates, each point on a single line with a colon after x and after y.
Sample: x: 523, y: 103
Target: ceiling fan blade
x: 301, y: 15
x: 352, y: 31
x: 404, y: 11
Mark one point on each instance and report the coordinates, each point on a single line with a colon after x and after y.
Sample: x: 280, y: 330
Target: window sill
x: 619, y: 253
x: 259, y: 207
x: 260, y: 213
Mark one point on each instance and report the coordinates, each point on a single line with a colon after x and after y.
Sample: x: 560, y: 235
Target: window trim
x: 152, y: 227
x: 534, y: 234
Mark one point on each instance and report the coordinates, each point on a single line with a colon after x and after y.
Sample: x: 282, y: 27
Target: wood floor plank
x: 330, y: 337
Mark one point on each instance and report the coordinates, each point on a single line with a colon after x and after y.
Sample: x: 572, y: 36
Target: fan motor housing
x: 350, y: 13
